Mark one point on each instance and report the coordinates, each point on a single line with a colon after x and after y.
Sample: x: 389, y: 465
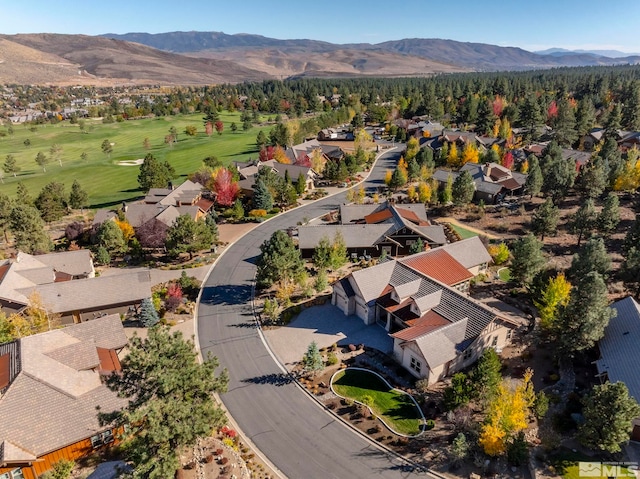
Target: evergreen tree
x: 585, y: 116
x: 446, y: 194
x: 530, y: 116
x: 398, y: 178
x: 533, y: 184
x: 609, y: 216
x: 545, y: 218
x: 6, y: 205
x: 593, y: 178
x: 154, y: 174
x: 558, y: 174
x: 586, y: 316
x: 312, y: 359
x: 413, y: 169
x: 565, y: 124
x: 10, y: 166
x: 110, y: 236
x: 487, y: 374
x: 583, y: 221
x: 338, y: 255
x: 187, y: 235
x: 279, y: 260
x: 78, y: 197
x: 322, y: 253
x: 52, y: 202
x: 592, y: 256
x: 102, y: 256
x: 631, y: 108
x: 416, y: 247
x: 28, y: 230
x: 527, y: 259
x: 301, y: 184
x: 613, y: 123
x: 632, y: 239
x: 170, y: 401
x: 612, y: 159
x: 148, y: 316
x: 262, y: 198
x: 608, y: 412
x: 463, y: 188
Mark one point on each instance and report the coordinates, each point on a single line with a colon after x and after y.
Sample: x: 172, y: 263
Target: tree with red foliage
x: 208, y: 128
x: 174, y: 297
x: 552, y: 111
x: 507, y: 160
x: 225, y: 187
x: 304, y: 160
x: 498, y: 106
x: 267, y: 153
x: 219, y: 127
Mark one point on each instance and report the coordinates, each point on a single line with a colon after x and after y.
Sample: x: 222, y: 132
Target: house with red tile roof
x: 51, y: 385
x: 420, y: 301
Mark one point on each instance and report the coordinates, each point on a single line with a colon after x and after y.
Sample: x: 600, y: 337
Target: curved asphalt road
x: 294, y: 432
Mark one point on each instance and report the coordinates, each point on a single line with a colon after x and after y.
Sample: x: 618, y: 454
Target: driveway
x: 326, y: 325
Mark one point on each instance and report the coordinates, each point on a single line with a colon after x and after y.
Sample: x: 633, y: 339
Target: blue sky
x: 542, y: 24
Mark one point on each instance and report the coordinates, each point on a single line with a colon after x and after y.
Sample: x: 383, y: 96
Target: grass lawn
x: 505, y: 274
x: 566, y: 462
x: 463, y: 232
x: 106, y: 182
x: 394, y: 408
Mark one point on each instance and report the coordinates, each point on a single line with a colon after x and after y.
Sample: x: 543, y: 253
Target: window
x: 467, y: 354
x: 494, y: 343
x: 509, y: 333
x: 15, y: 474
x: 100, y: 439
x: 415, y: 365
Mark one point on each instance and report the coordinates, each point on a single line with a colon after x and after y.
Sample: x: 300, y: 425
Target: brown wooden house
x: 50, y: 389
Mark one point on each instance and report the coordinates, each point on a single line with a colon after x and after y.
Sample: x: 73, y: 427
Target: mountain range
x: 216, y: 57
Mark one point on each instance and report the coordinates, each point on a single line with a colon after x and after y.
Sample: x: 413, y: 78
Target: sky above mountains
x: 570, y: 24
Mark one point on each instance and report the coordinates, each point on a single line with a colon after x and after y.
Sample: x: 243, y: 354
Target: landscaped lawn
x: 394, y: 408
x: 463, y: 232
x: 106, y: 182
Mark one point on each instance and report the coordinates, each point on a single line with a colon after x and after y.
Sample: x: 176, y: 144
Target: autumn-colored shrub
x: 258, y: 213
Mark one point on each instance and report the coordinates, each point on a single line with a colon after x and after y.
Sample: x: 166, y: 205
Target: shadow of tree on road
x: 226, y: 294
x: 274, y: 379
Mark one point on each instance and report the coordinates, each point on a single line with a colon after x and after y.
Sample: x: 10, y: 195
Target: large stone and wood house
x: 50, y: 391
x: 436, y: 328
x: 371, y: 229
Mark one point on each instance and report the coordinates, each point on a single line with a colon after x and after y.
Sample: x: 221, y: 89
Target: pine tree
x: 463, y: 188
x: 187, y: 235
x: 586, y: 316
x: 583, y: 221
x: 28, y: 230
x: 279, y: 260
x: 110, y: 236
x: 533, y: 184
x: 487, y: 374
x: 170, y: 401
x: 593, y: 178
x: 78, y: 197
x: 608, y: 412
x: 592, y: 256
x: 148, y: 316
x: 545, y: 218
x: 312, y: 359
x: 262, y: 198
x: 527, y: 259
x: 609, y: 216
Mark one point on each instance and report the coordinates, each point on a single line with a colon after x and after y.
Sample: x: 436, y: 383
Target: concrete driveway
x: 326, y: 325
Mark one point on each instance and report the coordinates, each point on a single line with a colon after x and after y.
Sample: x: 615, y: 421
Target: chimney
x: 170, y: 185
x: 124, y: 207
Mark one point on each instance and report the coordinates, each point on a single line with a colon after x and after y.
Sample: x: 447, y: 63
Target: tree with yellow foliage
x: 470, y: 154
x: 363, y: 140
x: 361, y: 195
x: 504, y: 131
x: 376, y: 198
x: 555, y: 295
x: 425, y: 172
x: 412, y: 193
x: 413, y: 146
x: 629, y: 178
x: 127, y: 230
x: 387, y: 177
x: 280, y: 156
x: 402, y: 163
x: 507, y: 414
x: 452, y: 156
x: 34, y: 319
x: 318, y: 160
x: 424, y: 192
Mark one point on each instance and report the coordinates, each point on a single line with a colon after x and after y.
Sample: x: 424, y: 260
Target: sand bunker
x: 137, y: 162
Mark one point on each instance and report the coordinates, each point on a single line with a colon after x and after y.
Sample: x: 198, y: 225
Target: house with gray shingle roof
x: 50, y: 389
x: 619, y: 354
x: 436, y: 328
x: 371, y: 229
